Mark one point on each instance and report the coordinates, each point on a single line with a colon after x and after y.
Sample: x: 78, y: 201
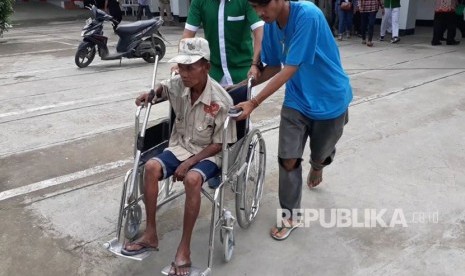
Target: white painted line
x: 62, y: 179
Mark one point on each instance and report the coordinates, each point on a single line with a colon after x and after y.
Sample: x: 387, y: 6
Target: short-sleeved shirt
x: 369, y: 5
x: 201, y: 124
x: 320, y: 89
x: 227, y: 25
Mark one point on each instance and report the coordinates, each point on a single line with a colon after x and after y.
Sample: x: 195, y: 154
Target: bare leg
x: 193, y: 186
x: 153, y: 172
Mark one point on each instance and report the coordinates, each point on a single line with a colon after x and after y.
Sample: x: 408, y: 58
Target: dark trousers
x: 443, y: 21
x: 141, y: 8
x: 460, y: 24
x: 368, y: 22
x: 357, y: 22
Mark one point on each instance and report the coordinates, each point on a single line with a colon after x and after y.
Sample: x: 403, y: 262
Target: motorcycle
x: 140, y: 39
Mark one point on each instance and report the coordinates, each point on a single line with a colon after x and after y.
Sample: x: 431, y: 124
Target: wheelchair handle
x: 140, y: 132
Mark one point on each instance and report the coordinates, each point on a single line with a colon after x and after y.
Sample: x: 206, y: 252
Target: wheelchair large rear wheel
x: 250, y: 184
x: 132, y: 215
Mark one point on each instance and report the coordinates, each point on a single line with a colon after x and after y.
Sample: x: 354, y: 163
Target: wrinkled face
x: 195, y: 73
x: 268, y: 12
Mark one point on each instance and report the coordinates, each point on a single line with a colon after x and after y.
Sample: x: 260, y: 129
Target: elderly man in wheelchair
x: 193, y: 156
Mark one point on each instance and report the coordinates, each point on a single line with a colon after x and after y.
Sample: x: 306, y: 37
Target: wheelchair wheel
x: 250, y: 184
x: 132, y: 224
x: 228, y: 244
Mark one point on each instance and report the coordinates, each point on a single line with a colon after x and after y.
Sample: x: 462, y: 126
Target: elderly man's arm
x: 181, y: 171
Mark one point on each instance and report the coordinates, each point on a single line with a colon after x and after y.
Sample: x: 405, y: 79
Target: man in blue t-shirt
x: 299, y: 50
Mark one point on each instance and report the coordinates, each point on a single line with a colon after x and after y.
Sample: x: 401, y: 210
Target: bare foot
x: 315, y: 177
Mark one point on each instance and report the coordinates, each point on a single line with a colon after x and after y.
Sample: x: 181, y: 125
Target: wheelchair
x: 243, y: 171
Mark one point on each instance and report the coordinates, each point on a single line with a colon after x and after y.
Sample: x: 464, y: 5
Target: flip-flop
x: 312, y: 178
x: 288, y: 232
x: 176, y: 267
x: 145, y: 247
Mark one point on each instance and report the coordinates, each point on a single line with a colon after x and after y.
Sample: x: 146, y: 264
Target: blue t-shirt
x: 320, y: 89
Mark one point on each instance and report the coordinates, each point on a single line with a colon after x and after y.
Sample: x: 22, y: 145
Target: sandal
x: 288, y: 232
x: 175, y: 268
x: 314, y: 178
x: 145, y: 247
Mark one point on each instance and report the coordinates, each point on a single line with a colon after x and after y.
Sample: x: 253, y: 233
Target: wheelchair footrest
x: 114, y: 246
x: 195, y: 271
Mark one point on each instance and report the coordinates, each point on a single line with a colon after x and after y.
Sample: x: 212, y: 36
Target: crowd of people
x: 357, y: 17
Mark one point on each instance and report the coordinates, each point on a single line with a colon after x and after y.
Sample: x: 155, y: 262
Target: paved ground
x: 70, y: 130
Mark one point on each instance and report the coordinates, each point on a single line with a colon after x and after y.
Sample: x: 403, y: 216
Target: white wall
x: 425, y: 9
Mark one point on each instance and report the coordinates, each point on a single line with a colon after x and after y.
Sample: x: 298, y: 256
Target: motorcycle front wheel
x: 85, y: 54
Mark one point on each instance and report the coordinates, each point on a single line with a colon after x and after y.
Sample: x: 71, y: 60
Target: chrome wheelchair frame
x: 243, y: 168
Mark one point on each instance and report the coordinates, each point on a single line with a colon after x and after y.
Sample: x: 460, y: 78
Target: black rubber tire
x: 85, y: 54
x: 249, y: 186
x: 228, y: 245
x: 159, y: 48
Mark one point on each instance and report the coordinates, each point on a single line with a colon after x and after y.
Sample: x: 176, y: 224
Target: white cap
x: 191, y: 50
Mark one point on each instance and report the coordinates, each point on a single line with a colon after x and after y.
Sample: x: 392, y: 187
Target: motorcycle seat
x: 135, y: 27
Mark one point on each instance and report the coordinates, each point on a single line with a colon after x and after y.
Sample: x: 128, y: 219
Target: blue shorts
x: 170, y: 163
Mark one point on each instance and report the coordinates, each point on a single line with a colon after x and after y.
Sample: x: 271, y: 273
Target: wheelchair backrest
x: 239, y: 95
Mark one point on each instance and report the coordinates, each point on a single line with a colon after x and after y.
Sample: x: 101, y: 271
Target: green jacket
x: 390, y: 4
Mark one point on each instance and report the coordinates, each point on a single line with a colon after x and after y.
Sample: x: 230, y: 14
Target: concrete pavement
x: 403, y: 149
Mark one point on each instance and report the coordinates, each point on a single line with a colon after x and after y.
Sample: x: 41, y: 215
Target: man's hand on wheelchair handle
x: 149, y: 97
x: 247, y: 108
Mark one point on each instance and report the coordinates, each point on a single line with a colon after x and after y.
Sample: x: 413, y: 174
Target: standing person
x: 300, y: 51
x: 227, y: 25
x: 346, y: 12
x: 144, y: 5
x: 357, y: 22
x: 165, y: 5
x: 111, y: 7
x: 193, y: 156
x: 391, y: 15
x: 444, y: 18
x: 459, y: 17
x: 368, y: 11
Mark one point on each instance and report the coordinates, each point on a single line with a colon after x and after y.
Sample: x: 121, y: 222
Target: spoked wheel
x: 227, y: 235
x: 85, y: 54
x: 250, y: 184
x: 133, y: 220
x: 158, y: 47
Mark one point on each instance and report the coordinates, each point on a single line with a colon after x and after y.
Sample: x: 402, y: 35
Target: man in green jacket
x: 228, y: 25
x: 391, y: 15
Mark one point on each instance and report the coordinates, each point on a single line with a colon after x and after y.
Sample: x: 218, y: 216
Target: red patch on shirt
x: 212, y: 109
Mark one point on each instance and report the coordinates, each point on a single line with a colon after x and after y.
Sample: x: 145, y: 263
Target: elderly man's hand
x: 182, y: 170
x: 144, y: 99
